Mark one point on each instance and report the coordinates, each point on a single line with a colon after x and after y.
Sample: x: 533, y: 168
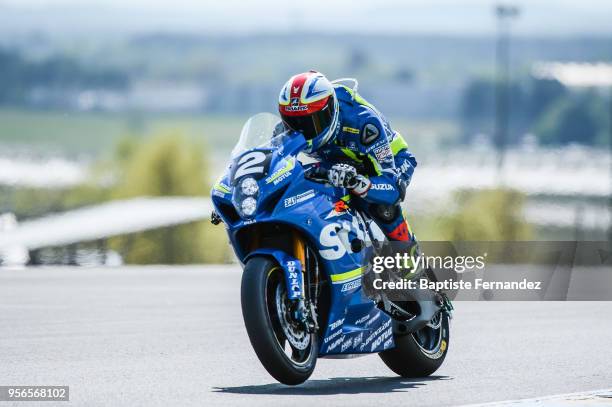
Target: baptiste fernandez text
x: 450, y: 284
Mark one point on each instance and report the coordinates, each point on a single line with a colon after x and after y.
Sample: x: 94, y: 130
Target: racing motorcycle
x: 302, y: 245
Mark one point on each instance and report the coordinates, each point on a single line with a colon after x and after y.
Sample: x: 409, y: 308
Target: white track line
x: 586, y: 398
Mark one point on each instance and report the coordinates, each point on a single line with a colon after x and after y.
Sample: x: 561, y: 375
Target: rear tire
x: 421, y: 353
x: 262, y: 284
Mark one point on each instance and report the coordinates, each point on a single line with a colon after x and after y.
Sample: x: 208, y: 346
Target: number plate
x: 254, y: 163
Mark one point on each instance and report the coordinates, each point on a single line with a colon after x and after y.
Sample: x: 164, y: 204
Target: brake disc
x: 294, y: 331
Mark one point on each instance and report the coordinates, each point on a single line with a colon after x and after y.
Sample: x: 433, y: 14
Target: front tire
x: 287, y: 353
x: 421, y: 353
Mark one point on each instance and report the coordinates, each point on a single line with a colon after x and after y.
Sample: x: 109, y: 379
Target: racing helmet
x: 308, y: 104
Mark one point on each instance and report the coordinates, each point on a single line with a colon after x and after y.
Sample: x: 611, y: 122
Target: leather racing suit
x: 364, y: 139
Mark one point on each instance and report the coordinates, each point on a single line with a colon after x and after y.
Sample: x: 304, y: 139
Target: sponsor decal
x: 334, y: 237
x: 351, y: 285
x: 282, y: 173
x: 304, y: 196
x: 340, y: 207
x: 345, y: 345
x: 218, y: 193
x: 336, y: 324
x: 293, y: 277
x: 378, y: 341
x: 295, y: 106
x: 329, y: 238
x: 281, y: 177
x: 333, y: 336
x: 383, y: 153
x: 357, y: 339
x: 404, y: 167
x: 335, y: 344
x: 382, y: 187
x: 369, y: 134
x: 377, y: 337
x: 353, y: 130
x: 371, y: 321
x: 362, y: 319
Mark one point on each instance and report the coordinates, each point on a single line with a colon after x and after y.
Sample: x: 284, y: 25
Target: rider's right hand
x: 342, y: 176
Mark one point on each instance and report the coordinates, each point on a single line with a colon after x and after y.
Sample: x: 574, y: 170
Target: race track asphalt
x: 174, y: 336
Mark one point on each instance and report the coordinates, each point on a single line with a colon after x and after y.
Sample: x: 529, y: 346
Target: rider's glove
x: 342, y: 176
x: 362, y: 185
x: 345, y: 176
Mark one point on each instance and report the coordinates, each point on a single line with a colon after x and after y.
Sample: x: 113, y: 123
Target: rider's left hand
x: 342, y: 176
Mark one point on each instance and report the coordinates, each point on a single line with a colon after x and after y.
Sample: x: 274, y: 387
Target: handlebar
x: 317, y: 174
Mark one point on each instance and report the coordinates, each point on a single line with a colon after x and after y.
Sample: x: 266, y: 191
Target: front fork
x: 306, y: 309
x: 302, y: 308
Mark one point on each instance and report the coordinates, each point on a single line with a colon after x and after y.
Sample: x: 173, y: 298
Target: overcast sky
x: 467, y: 17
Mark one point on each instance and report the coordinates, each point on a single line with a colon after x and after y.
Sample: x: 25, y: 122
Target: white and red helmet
x: 308, y: 104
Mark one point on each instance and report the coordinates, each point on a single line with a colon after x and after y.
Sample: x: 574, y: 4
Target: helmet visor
x: 314, y: 124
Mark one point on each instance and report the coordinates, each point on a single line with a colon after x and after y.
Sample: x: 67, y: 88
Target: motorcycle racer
x: 351, y: 137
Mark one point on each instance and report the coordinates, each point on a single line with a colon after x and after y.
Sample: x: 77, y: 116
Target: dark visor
x: 312, y: 125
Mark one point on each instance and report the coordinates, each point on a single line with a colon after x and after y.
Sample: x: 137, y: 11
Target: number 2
x: 248, y: 164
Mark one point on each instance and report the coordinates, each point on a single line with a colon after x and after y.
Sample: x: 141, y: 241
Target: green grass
x: 95, y: 134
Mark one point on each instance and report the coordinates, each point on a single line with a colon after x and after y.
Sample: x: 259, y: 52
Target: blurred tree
x: 481, y: 215
x: 543, y: 93
x: 11, y: 78
x: 477, y: 108
x: 544, y: 107
x: 20, y: 77
x: 578, y: 119
x: 31, y: 202
x: 124, y: 151
x: 167, y: 165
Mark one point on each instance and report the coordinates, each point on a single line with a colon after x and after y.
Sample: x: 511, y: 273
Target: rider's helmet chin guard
x: 308, y: 104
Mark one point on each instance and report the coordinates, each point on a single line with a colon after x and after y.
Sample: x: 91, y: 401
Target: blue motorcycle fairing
x: 292, y: 269
x: 319, y: 212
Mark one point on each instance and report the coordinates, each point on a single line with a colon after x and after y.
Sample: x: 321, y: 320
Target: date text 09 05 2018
x: 34, y: 393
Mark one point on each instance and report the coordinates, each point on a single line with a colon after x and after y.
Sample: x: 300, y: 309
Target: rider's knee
x: 387, y: 213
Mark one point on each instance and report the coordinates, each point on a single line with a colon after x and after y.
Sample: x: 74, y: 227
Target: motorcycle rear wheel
x: 287, y: 352
x: 421, y: 353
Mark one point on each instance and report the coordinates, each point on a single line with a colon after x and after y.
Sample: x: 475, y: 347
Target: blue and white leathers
x: 324, y: 216
x: 364, y: 139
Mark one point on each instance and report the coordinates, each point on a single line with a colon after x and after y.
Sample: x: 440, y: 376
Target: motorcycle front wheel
x: 281, y: 343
